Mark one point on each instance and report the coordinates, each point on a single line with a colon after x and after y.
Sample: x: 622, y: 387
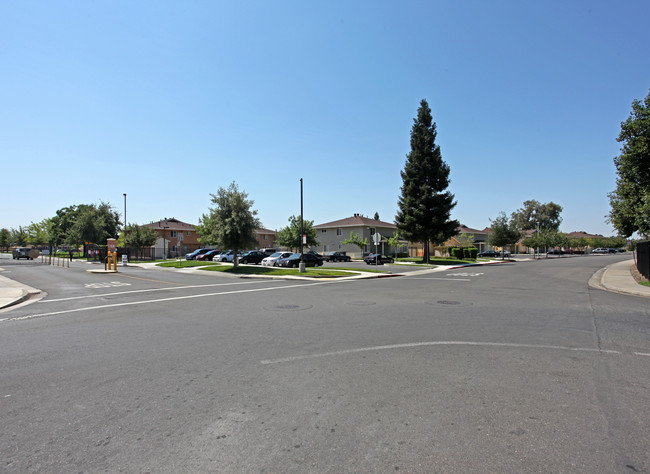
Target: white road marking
x: 465, y: 274
x: 148, y: 290
x: 109, y: 284
x: 446, y: 279
x: 437, y: 343
x: 162, y: 300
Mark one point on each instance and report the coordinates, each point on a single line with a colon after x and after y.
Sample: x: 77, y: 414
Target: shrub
x: 457, y: 253
x: 470, y: 253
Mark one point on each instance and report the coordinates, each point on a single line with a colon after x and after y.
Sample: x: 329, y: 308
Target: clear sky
x: 167, y: 101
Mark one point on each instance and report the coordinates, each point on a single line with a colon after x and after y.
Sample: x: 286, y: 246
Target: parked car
x: 192, y: 255
x: 603, y: 250
x: 21, y: 252
x: 272, y: 260
x: 207, y: 256
x: 254, y: 256
x: 555, y: 252
x: 316, y: 254
x: 228, y: 256
x: 377, y: 259
x: 489, y: 253
x: 268, y: 251
x: 336, y: 257
x: 293, y: 260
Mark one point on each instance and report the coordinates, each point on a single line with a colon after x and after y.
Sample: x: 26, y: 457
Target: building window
x: 339, y: 231
x: 323, y: 231
x: 189, y: 233
x: 326, y: 248
x: 266, y: 237
x: 173, y: 234
x: 372, y: 230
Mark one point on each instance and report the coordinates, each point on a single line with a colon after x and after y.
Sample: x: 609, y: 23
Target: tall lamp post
x: 302, y: 232
x: 125, y: 220
x: 125, y: 231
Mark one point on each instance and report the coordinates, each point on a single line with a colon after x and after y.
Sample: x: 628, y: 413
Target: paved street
x: 499, y: 368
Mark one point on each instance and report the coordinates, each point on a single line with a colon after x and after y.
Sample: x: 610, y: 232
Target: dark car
x: 492, y: 253
x: 336, y: 257
x: 192, y: 255
x: 293, y: 261
x: 254, y: 256
x: 488, y: 253
x: 207, y: 256
x: 377, y: 259
x: 555, y: 252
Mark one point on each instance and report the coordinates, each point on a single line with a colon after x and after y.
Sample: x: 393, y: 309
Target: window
x: 266, y: 237
x: 326, y: 248
x: 189, y: 233
x: 173, y: 233
x: 339, y: 231
x: 372, y: 230
x: 323, y: 231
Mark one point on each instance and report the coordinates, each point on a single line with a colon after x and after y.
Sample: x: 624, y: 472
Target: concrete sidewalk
x: 616, y: 277
x: 13, y: 292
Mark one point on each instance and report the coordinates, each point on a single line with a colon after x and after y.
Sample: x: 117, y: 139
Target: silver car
x: 272, y: 260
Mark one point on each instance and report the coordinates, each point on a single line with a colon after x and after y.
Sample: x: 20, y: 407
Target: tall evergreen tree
x: 231, y: 223
x: 425, y: 205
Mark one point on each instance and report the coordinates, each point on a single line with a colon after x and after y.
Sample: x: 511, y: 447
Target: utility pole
x: 302, y: 232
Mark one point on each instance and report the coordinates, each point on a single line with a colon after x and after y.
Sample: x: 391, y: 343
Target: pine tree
x: 425, y: 205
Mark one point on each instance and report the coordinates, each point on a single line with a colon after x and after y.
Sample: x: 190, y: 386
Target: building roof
x: 579, y: 234
x: 468, y: 230
x: 265, y: 231
x: 171, y: 224
x: 356, y: 220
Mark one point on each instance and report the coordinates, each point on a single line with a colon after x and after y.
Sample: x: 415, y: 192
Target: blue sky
x: 168, y: 101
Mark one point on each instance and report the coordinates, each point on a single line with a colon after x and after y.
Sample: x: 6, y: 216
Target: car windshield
x: 276, y: 254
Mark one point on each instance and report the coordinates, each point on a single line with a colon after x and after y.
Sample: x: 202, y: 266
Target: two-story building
x: 175, y: 238
x: 330, y: 235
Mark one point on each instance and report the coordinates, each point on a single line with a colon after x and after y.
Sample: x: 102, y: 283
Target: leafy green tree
x: 503, y: 231
x: 355, y: 239
x: 630, y: 201
x: 394, y: 241
x: 424, y: 206
x: 537, y: 216
x: 138, y: 236
x: 78, y: 224
x: 465, y: 240
x: 231, y: 223
x: 93, y: 223
x: 39, y: 233
x: 290, y: 236
x: 18, y: 236
x: 5, y: 238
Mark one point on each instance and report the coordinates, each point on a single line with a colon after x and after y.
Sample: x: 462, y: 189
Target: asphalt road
x: 513, y: 367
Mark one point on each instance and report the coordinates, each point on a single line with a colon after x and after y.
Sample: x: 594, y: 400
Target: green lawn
x: 644, y: 283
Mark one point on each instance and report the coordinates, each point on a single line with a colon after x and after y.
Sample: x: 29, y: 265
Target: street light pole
x: 125, y: 219
x: 302, y: 231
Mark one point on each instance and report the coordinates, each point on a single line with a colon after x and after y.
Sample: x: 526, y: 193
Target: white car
x: 228, y: 256
x: 272, y: 260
